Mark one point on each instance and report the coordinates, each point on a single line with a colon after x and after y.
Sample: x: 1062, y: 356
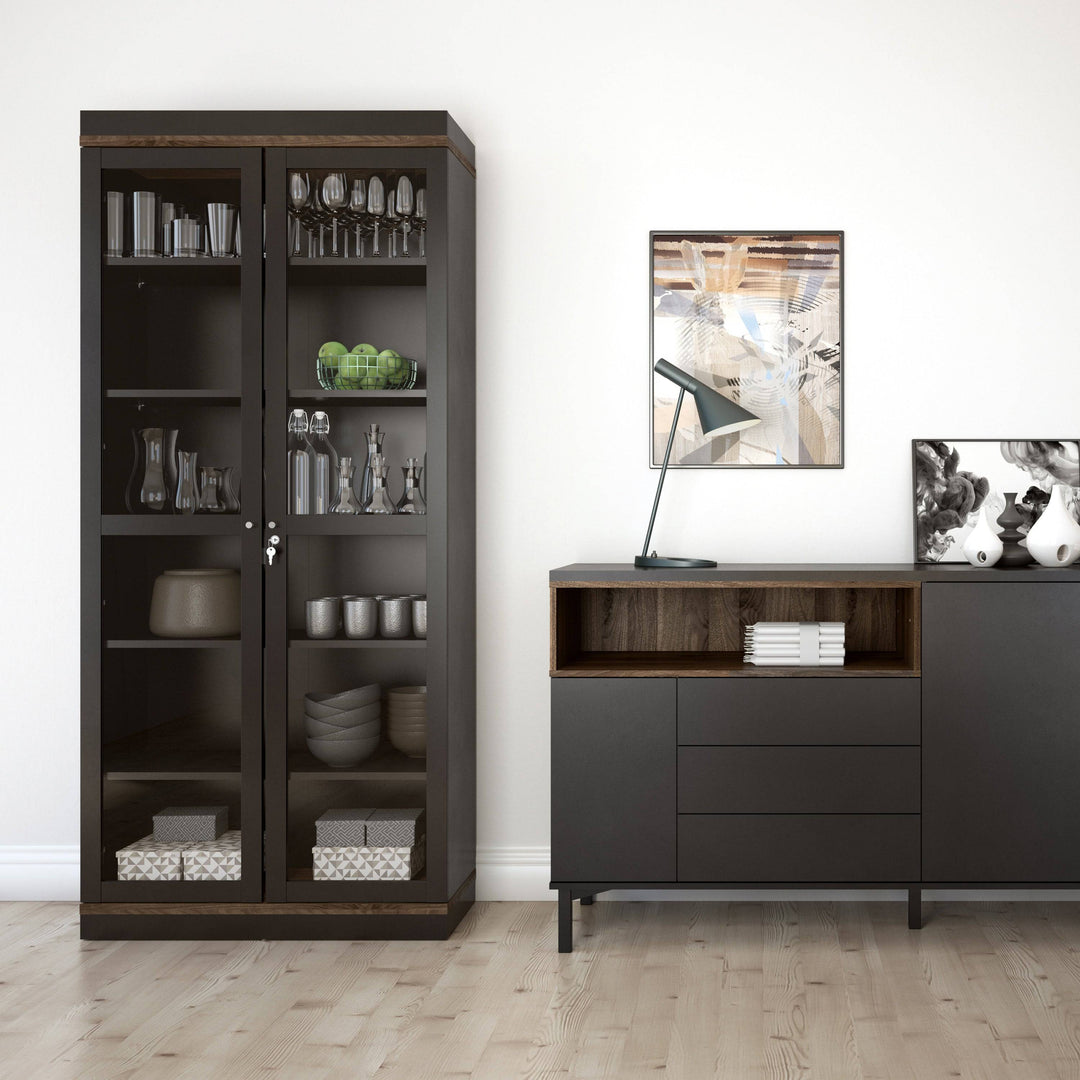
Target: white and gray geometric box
x: 190, y: 824
x: 367, y: 863
x: 149, y: 860
x: 343, y: 828
x: 395, y: 828
x: 215, y: 860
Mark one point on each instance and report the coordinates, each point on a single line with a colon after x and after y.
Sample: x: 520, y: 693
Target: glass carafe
x: 325, y: 474
x: 411, y: 501
x: 300, y: 464
x: 380, y: 502
x: 374, y: 438
x: 347, y: 502
x: 187, y: 491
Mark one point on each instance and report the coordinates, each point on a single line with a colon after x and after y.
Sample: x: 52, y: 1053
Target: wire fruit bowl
x: 362, y: 371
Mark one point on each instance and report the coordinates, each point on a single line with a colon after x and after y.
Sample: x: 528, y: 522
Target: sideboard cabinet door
x: 1001, y: 732
x: 613, y: 779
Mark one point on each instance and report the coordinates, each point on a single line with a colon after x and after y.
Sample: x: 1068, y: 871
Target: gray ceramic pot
x: 196, y: 604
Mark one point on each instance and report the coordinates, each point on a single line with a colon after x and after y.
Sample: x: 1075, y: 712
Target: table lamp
x: 719, y: 416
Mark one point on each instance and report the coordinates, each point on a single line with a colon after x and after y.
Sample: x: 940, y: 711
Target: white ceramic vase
x: 1054, y: 539
x: 983, y: 547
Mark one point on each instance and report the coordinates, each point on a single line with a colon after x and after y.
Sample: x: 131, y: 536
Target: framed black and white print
x: 757, y: 316
x: 954, y: 478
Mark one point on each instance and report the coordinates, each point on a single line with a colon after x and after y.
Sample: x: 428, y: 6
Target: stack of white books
x: 795, y: 644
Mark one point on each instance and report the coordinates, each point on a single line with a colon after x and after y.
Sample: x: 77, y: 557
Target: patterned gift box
x: 343, y: 828
x: 150, y: 860
x: 190, y: 824
x: 367, y: 863
x: 394, y: 828
x: 216, y: 860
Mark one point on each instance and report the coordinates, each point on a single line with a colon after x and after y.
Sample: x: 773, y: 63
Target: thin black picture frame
x: 839, y: 233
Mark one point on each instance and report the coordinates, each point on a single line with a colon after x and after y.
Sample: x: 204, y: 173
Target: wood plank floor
x: 740, y: 991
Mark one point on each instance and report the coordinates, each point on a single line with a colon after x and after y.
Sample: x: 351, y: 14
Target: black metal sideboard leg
x: 587, y: 899
x: 566, y: 921
x: 914, y: 908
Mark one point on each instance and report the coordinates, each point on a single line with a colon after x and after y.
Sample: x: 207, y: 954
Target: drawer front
x: 778, y: 712
x: 798, y: 780
x: 799, y: 848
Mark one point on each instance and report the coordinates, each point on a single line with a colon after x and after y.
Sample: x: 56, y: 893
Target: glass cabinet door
x: 355, y: 707
x: 173, y: 678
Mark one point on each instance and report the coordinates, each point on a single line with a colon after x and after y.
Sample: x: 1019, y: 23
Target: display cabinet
x: 219, y: 348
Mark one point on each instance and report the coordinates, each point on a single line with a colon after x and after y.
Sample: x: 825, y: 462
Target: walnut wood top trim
x: 264, y: 909
x: 808, y: 582
x: 439, y: 142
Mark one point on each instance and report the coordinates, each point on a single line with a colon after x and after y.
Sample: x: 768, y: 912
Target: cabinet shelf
x: 298, y: 640
x: 388, y: 765
x: 161, y: 262
x: 204, y: 397
x: 318, y: 396
x: 723, y: 664
x: 173, y: 643
x: 356, y: 525
x: 171, y: 524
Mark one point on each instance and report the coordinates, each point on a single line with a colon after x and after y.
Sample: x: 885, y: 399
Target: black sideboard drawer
x: 799, y: 847
x: 798, y: 780
x: 776, y: 712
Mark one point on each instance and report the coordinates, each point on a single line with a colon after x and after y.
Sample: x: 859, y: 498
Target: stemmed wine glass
x: 392, y: 219
x: 420, y: 216
x: 404, y: 206
x: 311, y: 215
x: 335, y: 197
x: 376, y: 208
x: 354, y: 213
x: 298, y: 196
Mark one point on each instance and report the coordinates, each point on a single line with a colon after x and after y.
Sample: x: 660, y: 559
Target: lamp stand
x: 654, y: 561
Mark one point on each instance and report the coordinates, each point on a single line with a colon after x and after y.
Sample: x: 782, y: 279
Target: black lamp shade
x: 718, y: 414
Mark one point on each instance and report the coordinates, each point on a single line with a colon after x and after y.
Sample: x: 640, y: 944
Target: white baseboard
x: 51, y: 872
x: 39, y: 871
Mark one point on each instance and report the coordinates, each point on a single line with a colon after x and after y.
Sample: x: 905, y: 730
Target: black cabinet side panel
x: 1001, y: 742
x: 613, y: 779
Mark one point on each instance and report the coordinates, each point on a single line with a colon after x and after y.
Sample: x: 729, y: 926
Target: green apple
x: 366, y: 350
x: 389, y: 363
x: 352, y: 366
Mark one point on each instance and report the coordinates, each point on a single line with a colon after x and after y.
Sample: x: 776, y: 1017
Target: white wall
x: 941, y: 136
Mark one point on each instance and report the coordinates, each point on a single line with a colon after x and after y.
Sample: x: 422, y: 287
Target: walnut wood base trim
x: 440, y: 142
x: 276, y: 922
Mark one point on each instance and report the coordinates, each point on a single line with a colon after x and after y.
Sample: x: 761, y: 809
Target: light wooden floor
x: 745, y: 991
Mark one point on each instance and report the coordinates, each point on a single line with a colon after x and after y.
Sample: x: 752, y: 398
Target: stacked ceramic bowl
x: 343, y: 729
x: 406, y: 724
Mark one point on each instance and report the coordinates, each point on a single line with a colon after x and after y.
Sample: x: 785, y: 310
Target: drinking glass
x: 420, y: 215
x: 392, y: 219
x: 335, y: 197
x: 356, y: 209
x: 404, y: 206
x: 298, y: 197
x: 376, y: 207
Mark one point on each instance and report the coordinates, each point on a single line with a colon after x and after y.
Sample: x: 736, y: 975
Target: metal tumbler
x: 395, y: 617
x: 146, y: 218
x: 361, y: 616
x: 419, y: 618
x: 323, y: 616
x: 114, y: 223
x: 185, y: 238
x: 222, y: 219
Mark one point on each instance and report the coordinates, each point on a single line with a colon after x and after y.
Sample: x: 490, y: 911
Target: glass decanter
x: 325, y: 470
x: 300, y: 464
x: 380, y: 502
x: 374, y: 438
x: 411, y: 501
x: 187, y: 491
x: 347, y: 502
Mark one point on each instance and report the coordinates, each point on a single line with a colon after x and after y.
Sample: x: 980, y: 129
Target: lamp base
x: 662, y: 562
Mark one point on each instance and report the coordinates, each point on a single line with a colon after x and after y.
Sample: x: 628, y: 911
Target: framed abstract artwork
x: 758, y: 316
x: 952, y: 479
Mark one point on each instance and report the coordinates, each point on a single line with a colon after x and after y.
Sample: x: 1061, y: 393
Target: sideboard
x: 944, y: 753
